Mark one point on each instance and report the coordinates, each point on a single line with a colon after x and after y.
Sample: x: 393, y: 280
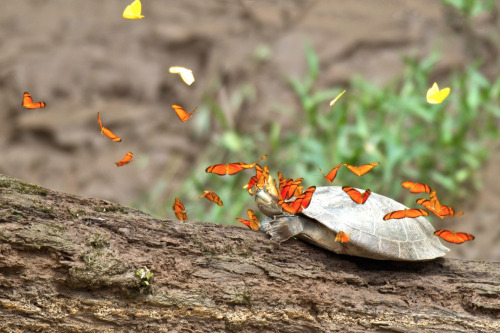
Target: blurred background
x: 265, y: 74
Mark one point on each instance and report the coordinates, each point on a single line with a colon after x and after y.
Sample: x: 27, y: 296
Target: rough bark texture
x: 68, y: 264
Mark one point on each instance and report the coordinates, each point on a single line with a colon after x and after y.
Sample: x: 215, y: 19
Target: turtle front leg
x: 283, y: 228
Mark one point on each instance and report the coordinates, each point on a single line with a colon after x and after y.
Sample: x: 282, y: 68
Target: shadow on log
x: 68, y: 264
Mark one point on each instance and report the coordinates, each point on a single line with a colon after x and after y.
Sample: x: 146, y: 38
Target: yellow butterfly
x: 133, y: 11
x: 185, y: 73
x: 436, y: 96
x: 336, y: 98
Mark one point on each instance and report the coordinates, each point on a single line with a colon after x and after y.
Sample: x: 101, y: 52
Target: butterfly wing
x: 454, y: 237
x: 28, y: 102
x: 342, y: 237
x: 181, y: 113
x: 125, y: 160
x: 436, y: 96
x: 337, y: 98
x: 362, y: 169
x: 133, y: 11
x: 253, y: 223
x: 332, y: 174
x: 212, y: 196
x: 399, y: 214
x: 179, y: 210
x: 416, y: 187
x: 355, y: 195
x: 185, y: 73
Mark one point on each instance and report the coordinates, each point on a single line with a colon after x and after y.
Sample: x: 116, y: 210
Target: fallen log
x: 72, y: 264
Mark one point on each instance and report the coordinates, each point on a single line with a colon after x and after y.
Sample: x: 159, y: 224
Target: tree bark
x: 68, y: 264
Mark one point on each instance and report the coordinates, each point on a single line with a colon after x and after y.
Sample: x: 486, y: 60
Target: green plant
x: 470, y: 8
x: 145, y: 275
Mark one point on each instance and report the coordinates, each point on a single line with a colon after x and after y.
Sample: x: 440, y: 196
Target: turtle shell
x: 371, y: 236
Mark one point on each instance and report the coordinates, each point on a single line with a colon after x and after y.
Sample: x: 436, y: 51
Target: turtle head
x: 267, y: 203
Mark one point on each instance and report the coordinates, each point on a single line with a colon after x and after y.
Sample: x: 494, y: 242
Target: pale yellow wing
x: 336, y: 98
x: 133, y: 11
x: 436, y: 96
x: 185, y: 73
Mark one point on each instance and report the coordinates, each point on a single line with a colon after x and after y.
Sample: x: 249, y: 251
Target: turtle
x: 331, y: 210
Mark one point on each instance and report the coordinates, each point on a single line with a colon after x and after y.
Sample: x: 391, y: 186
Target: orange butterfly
x: 125, y: 160
x: 212, y: 196
x: 289, y: 187
x: 454, y: 237
x: 342, y: 237
x: 106, y: 131
x: 399, y: 214
x: 253, y: 180
x: 179, y: 210
x: 28, y: 102
x: 253, y: 223
x: 416, y: 187
x: 436, y: 207
x: 355, y: 195
x: 300, y: 203
x: 231, y: 168
x: 332, y: 174
x: 181, y: 113
x: 362, y: 169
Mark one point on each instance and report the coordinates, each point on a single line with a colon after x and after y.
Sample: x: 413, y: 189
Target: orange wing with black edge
x: 447, y: 211
x: 416, y: 187
x: 253, y: 223
x: 342, y: 237
x: 179, y: 210
x: 181, y: 113
x: 106, y: 131
x: 362, y: 169
x: 125, y: 160
x: 454, y: 237
x: 355, y: 195
x: 212, y: 196
x: 231, y: 168
x: 289, y: 188
x: 332, y: 174
x: 253, y: 180
x: 400, y: 214
x: 300, y: 203
x: 29, y: 104
x: 433, y: 205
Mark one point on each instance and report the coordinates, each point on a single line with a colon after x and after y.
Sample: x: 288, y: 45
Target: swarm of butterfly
x: 291, y: 196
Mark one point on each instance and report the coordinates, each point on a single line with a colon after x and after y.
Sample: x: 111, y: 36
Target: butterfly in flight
x: 399, y: 214
x: 212, y: 196
x: 185, y: 73
x: 181, y: 113
x: 436, y: 96
x: 416, y: 187
x: 362, y: 169
x: 337, y: 98
x: 254, y: 179
x: 125, y: 160
x: 231, y: 168
x: 454, y: 237
x: 106, y: 131
x: 29, y: 104
x: 253, y: 222
x: 133, y: 11
x: 355, y: 195
x: 436, y: 207
x: 332, y: 174
x: 179, y: 210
